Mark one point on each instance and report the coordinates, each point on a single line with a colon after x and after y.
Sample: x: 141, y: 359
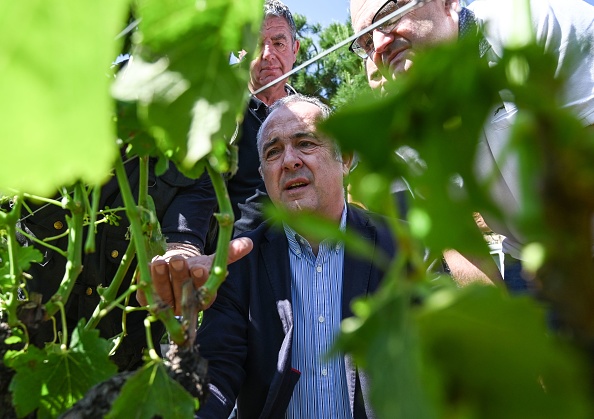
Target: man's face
x: 278, y: 52
x: 431, y: 24
x: 299, y: 165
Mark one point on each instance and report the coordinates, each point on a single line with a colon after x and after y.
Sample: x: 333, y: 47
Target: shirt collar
x: 298, y: 244
x: 256, y: 103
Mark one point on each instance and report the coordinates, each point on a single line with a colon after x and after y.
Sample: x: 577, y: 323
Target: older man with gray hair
x: 267, y: 334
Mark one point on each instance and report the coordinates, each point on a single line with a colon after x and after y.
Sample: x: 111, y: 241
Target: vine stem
x: 43, y: 243
x: 111, y: 292
x: 91, y: 231
x: 74, y: 251
x: 225, y: 218
x: 9, y: 220
x: 160, y: 310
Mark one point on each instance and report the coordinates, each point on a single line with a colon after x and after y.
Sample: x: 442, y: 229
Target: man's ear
x: 260, y: 171
x: 347, y: 163
x: 296, y: 48
x: 452, y: 6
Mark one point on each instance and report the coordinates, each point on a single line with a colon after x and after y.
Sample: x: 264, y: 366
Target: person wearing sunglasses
x: 563, y: 28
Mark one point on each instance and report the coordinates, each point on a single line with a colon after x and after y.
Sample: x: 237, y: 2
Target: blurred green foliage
x: 431, y: 349
x: 56, y: 105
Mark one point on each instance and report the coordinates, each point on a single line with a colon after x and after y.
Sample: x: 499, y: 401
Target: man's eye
x: 306, y: 144
x: 271, y: 153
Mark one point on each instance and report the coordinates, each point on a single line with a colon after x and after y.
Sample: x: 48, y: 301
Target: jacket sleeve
x: 223, y: 342
x: 187, y: 218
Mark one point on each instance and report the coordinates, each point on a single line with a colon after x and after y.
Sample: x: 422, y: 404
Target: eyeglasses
x: 363, y: 45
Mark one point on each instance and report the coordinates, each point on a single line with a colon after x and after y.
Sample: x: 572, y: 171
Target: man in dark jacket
x: 279, y: 311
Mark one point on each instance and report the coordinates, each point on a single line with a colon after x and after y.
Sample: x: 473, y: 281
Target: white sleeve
x: 564, y: 28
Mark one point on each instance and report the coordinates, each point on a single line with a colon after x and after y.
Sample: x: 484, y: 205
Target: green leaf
x: 55, y: 92
x: 24, y: 257
x: 384, y: 342
x: 154, y: 393
x: 321, y: 229
x: 52, y: 380
x: 443, y: 134
x: 493, y: 356
x: 188, y: 106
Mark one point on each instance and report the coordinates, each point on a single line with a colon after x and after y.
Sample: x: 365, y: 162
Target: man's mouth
x: 296, y: 185
x: 396, y: 58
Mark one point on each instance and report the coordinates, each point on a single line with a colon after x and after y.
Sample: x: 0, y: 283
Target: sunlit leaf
x: 320, y: 229
x: 188, y: 95
x: 56, y: 106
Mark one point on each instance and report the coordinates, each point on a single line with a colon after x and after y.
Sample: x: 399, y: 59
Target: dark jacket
x: 176, y: 199
x: 246, y: 335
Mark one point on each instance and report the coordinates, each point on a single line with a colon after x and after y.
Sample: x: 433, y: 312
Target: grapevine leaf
x: 385, y: 334
x: 55, y: 91
x: 155, y: 394
x: 478, y: 341
x: 24, y: 257
x: 191, y: 108
x: 52, y: 380
x: 442, y: 135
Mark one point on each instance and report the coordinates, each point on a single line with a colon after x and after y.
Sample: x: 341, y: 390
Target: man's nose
x: 382, y: 40
x: 291, y: 159
x: 267, y: 51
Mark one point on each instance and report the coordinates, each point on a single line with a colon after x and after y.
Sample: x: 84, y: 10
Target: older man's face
x: 432, y: 23
x: 299, y: 165
x: 278, y: 52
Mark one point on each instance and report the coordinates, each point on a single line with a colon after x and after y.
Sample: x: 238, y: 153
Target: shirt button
x: 319, y: 268
x: 324, y: 372
x: 58, y: 225
x: 114, y: 254
x: 321, y: 319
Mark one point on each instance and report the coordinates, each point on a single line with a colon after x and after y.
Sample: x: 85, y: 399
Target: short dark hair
x: 279, y: 9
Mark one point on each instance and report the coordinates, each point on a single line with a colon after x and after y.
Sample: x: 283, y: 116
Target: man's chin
x: 400, y: 66
x: 269, y: 77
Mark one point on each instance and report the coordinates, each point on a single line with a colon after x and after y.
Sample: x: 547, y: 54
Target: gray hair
x: 279, y: 9
x: 298, y: 97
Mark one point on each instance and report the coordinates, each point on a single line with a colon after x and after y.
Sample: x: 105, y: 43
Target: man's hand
x: 168, y: 274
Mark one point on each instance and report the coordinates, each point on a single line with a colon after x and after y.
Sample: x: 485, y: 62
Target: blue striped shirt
x: 316, y: 292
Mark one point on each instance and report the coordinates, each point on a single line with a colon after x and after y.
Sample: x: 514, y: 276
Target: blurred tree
x: 336, y: 78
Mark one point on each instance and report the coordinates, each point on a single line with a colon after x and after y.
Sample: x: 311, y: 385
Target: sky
x: 320, y: 11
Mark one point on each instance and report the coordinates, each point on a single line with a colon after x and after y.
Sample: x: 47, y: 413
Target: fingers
x: 161, y: 282
x: 140, y: 297
x: 169, y: 275
x: 199, y: 266
x: 179, y: 273
x: 239, y: 248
